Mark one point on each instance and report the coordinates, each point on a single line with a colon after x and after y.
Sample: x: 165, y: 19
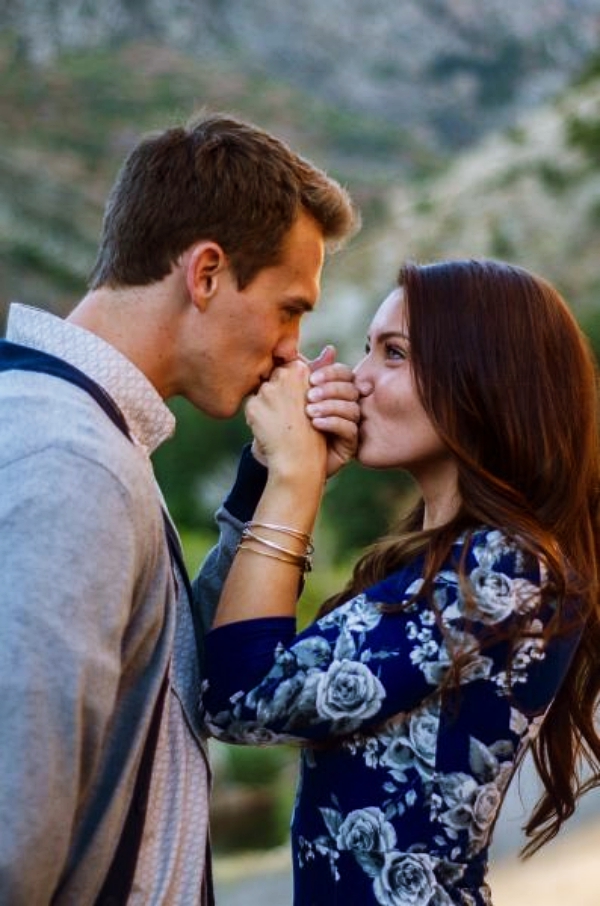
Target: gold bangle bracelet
x: 295, y: 533
x: 249, y: 534
x: 299, y: 562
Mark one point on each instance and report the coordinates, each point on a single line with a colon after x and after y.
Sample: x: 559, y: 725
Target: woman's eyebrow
x: 388, y: 334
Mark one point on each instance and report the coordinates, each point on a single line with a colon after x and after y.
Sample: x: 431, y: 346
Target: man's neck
x: 137, y: 322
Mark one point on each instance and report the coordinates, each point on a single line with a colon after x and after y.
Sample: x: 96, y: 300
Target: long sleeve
x: 364, y: 662
x: 230, y: 517
x: 343, y: 673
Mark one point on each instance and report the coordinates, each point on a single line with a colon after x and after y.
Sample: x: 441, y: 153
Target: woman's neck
x: 440, y: 496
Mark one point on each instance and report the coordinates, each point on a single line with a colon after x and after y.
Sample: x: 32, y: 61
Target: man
x: 212, y: 249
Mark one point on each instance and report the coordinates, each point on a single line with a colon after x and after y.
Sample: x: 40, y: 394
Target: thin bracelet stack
x: 257, y: 544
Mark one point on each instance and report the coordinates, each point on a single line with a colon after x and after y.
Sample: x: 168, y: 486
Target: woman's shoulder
x: 398, y: 587
x: 482, y: 547
x: 493, y: 549
x: 503, y: 576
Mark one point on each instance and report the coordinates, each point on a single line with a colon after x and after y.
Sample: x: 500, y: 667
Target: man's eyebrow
x: 300, y: 303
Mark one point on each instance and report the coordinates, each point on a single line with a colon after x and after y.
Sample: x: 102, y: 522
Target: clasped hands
x: 329, y: 399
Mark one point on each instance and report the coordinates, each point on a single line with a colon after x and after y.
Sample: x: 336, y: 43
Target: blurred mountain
x: 529, y: 194
x: 387, y: 98
x: 447, y: 69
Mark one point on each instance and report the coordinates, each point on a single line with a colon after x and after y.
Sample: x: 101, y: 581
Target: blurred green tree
x: 196, y: 467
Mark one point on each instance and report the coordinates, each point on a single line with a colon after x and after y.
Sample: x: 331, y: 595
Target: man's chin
x: 231, y: 410
x: 228, y: 408
x: 221, y: 410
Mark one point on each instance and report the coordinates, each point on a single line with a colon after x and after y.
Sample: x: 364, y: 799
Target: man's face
x: 247, y: 333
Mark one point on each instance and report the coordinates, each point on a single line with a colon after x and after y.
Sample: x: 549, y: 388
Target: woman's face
x: 395, y: 430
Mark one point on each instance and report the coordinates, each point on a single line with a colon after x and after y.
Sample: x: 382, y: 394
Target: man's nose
x: 287, y: 348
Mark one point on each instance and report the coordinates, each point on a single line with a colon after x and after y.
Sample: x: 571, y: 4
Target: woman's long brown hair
x: 509, y: 381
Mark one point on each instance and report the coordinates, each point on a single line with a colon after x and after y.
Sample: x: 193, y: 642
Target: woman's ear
x: 205, y: 263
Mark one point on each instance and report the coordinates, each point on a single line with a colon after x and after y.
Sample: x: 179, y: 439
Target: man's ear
x: 205, y: 263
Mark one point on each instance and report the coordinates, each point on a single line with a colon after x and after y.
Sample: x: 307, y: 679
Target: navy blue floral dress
x: 401, y: 779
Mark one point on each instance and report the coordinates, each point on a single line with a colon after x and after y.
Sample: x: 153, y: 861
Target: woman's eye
x: 396, y: 353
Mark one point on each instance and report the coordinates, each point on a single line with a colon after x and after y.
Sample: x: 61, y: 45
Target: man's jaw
x: 262, y: 379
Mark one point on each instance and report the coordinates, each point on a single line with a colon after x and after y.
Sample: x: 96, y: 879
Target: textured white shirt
x: 149, y: 419
x: 171, y: 862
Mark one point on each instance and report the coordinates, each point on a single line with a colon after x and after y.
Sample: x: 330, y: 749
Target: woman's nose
x: 362, y: 381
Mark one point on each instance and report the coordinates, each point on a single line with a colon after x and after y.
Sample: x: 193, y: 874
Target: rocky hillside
x: 529, y: 194
x: 404, y: 102
x: 448, y: 69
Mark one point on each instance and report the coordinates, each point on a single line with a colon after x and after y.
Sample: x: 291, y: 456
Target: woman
x: 467, y: 636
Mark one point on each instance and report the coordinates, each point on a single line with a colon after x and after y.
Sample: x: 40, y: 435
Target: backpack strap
x: 119, y: 880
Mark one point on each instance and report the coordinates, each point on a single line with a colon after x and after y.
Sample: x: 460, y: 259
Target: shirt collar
x: 150, y: 421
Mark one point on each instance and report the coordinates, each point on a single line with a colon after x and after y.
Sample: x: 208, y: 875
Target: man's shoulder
x: 41, y: 415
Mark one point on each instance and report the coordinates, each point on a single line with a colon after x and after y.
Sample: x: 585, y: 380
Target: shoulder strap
x: 118, y: 882
x: 13, y: 357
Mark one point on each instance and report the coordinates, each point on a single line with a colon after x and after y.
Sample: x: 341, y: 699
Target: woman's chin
x: 368, y: 461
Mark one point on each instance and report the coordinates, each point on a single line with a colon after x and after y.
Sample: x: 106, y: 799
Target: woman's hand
x: 332, y: 406
x: 284, y: 438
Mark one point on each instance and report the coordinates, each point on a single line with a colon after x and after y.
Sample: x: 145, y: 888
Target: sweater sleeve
x: 383, y: 652
x: 237, y: 509
x: 67, y: 586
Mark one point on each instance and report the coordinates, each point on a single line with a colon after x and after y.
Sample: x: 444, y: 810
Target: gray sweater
x: 89, y: 624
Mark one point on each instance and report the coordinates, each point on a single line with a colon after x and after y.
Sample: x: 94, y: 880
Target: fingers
x: 284, y: 393
x: 333, y: 409
x: 332, y: 393
x: 332, y: 406
x: 327, y: 396
x: 296, y: 370
x: 334, y: 401
x: 338, y: 427
x: 334, y: 372
x: 325, y: 357
x: 279, y: 405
